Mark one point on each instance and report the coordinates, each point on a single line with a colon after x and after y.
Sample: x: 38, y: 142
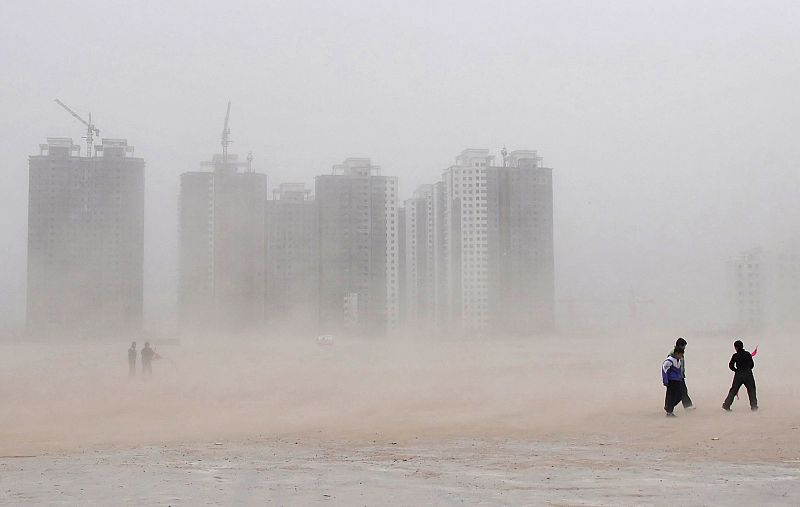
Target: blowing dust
x: 78, y: 395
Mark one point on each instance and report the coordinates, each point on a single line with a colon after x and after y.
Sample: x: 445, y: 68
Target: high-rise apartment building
x: 419, y: 265
x: 85, y: 240
x: 519, y: 201
x: 358, y: 246
x: 498, y: 242
x: 402, y: 272
x: 222, y: 246
x: 292, y: 256
x: 466, y: 241
x: 440, y: 268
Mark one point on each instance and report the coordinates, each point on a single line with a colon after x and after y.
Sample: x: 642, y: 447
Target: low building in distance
x: 764, y: 288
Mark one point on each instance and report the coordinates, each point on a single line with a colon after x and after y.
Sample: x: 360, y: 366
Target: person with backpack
x: 672, y: 378
x: 685, y: 399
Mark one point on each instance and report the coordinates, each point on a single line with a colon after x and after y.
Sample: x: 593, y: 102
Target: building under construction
x: 222, y: 243
x: 85, y: 240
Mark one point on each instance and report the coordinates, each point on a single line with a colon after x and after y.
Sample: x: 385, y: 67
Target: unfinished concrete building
x: 222, y: 246
x: 85, y: 241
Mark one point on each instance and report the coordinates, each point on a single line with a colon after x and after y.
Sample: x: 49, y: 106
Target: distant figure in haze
x: 147, y: 358
x: 132, y: 360
x: 741, y: 364
x: 687, y: 402
x: 672, y: 378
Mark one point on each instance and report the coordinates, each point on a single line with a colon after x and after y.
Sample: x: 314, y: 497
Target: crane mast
x: 226, y: 137
x: 91, y: 130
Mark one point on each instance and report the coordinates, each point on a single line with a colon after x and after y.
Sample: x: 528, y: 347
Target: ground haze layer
x: 581, y: 404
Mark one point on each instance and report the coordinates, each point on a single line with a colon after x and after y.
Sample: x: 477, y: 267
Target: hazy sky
x: 672, y: 126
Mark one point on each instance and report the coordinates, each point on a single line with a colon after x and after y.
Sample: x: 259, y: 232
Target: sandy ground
x: 471, y: 472
x: 552, y: 423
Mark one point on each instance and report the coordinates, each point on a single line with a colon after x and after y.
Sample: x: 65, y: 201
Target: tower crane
x: 91, y: 130
x: 226, y: 137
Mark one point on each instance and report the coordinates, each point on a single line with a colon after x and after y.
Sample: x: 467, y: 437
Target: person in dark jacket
x: 741, y: 364
x: 685, y: 399
x: 672, y: 378
x: 147, y: 358
x: 132, y: 359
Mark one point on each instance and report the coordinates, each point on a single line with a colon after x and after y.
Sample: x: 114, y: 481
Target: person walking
x: 147, y: 358
x: 741, y: 364
x: 672, y: 378
x: 685, y: 399
x: 132, y: 360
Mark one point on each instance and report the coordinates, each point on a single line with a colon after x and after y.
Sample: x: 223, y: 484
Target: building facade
x: 785, y: 301
x: 222, y: 246
x: 419, y: 264
x: 497, y: 243
x: 358, y: 247
x: 519, y: 235
x: 441, y: 310
x: 85, y: 240
x: 292, y: 257
x: 764, y: 288
x: 746, y: 274
x: 466, y: 244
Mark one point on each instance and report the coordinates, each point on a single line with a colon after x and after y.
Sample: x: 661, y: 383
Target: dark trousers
x: 674, y: 395
x: 742, y: 379
x: 131, y: 368
x: 687, y: 402
x: 147, y: 368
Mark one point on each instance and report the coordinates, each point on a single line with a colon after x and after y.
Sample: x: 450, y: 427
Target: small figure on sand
x: 685, y: 399
x: 147, y: 358
x: 672, y: 378
x: 741, y: 364
x: 132, y: 360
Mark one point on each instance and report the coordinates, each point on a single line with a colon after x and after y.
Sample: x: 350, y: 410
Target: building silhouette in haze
x: 85, y: 240
x: 358, y: 248
x: 222, y: 243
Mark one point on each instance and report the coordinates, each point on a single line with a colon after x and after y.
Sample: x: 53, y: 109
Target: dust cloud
x: 66, y: 396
